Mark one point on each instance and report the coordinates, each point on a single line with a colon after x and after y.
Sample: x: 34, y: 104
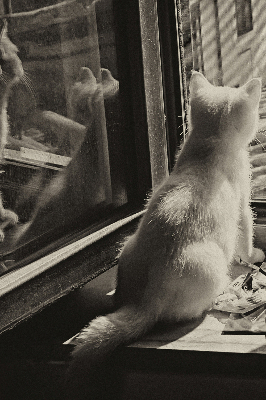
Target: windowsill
x: 90, y: 262
x: 54, y: 276
x: 198, y: 349
x: 208, y: 334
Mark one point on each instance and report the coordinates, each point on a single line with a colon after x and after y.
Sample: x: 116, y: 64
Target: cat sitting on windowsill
x: 196, y: 223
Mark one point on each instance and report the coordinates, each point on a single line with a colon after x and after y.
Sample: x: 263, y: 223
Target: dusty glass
x: 64, y: 164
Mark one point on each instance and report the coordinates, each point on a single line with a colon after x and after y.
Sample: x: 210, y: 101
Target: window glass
x: 68, y: 156
x: 225, y: 40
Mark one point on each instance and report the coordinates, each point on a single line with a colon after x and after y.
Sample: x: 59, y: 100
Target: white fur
x: 176, y: 263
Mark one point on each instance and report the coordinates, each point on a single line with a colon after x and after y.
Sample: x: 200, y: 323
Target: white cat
x: 176, y: 263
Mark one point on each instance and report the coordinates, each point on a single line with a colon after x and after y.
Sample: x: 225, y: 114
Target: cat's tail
x: 103, y: 335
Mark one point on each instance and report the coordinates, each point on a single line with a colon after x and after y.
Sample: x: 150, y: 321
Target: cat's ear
x: 197, y: 82
x: 253, y: 89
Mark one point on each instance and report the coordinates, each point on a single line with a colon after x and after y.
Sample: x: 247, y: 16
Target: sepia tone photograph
x: 132, y: 199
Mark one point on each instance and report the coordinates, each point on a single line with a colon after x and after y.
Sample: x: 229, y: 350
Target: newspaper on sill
x: 245, y: 300
x: 252, y: 322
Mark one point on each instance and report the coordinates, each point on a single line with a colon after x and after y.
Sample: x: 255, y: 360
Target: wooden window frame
x: 57, y: 274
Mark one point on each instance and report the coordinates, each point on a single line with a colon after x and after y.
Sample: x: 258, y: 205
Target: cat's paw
x: 10, y: 217
x: 257, y: 256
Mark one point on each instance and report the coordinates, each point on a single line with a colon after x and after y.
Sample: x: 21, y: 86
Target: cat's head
x: 223, y: 112
x: 10, y: 63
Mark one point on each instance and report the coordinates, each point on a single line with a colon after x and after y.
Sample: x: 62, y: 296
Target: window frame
x: 152, y: 103
x: 135, y: 136
x: 137, y: 163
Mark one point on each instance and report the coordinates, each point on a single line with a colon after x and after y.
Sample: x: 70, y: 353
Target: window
x: 94, y: 124
x: 77, y: 122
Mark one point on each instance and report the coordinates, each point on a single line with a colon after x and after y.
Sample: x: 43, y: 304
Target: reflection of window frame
x: 148, y: 112
x: 244, y: 20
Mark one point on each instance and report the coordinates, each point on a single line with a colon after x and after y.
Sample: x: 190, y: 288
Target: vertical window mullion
x: 153, y: 90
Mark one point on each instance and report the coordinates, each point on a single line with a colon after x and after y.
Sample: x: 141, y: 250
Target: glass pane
x: 225, y: 40
x: 64, y: 161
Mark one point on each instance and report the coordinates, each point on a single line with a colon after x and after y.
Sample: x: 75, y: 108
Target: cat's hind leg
x: 200, y: 275
x: 245, y: 249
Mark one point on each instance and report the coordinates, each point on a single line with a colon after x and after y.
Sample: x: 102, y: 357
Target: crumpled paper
x: 245, y: 300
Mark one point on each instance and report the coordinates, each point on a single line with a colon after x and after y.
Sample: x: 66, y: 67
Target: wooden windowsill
x: 205, y: 335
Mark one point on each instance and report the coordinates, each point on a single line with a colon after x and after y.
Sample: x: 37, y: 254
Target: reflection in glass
x: 64, y: 160
x: 225, y: 40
